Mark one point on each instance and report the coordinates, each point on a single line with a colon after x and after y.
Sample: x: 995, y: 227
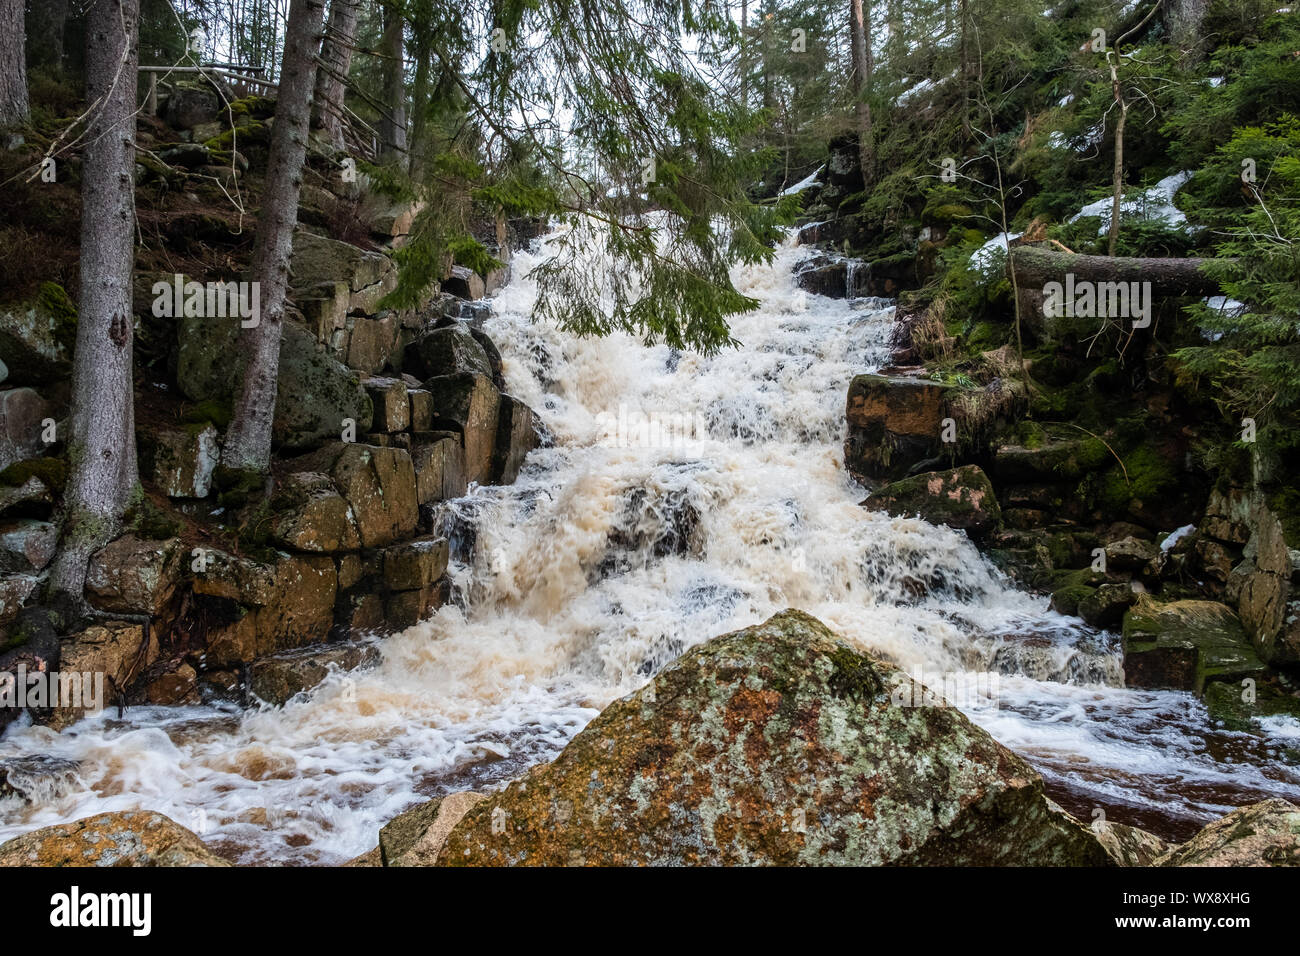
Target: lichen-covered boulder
x: 318, y: 260
x: 415, y: 837
x: 130, y: 838
x: 1129, y: 846
x: 439, y: 460
x: 26, y: 544
x: 777, y: 744
x: 1182, y: 645
x: 1262, y: 834
x: 960, y: 498
x: 315, y: 394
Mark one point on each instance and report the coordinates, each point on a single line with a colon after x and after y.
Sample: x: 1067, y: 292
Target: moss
x: 53, y: 472
x: 150, y: 522
x: 1286, y: 505
x: 1066, y: 600
x: 210, y: 412
x: 56, y: 302
x: 252, y: 106
x: 254, y: 133
x: 1149, y: 475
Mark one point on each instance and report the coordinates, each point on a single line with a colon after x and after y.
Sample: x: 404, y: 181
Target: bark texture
x: 336, y: 55
x: 13, y: 69
x: 392, y: 127
x: 1035, y: 265
x: 248, y: 441
x: 860, y: 44
x: 103, y: 465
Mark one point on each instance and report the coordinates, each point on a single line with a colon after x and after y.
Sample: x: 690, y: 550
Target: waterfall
x: 682, y: 497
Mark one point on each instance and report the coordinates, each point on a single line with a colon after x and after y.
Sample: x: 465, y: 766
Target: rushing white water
x: 617, y: 549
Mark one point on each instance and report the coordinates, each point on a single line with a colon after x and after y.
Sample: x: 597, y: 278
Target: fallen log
x: 1035, y: 266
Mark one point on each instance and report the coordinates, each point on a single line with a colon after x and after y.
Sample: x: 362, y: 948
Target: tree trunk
x: 860, y: 45
x: 13, y: 65
x: 1183, y: 22
x: 103, y: 473
x: 420, y: 103
x: 1117, y: 172
x: 248, y: 441
x: 392, y: 127
x: 1037, y: 266
x: 744, y: 54
x: 337, y: 57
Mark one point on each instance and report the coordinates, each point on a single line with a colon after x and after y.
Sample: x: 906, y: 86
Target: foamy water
x: 611, y: 555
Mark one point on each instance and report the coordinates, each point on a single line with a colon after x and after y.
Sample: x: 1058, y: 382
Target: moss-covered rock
x: 37, y: 337
x: 1185, y: 644
x: 894, y: 424
x: 960, y: 498
x: 777, y: 744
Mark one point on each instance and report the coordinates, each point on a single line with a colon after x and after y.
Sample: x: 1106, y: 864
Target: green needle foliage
x: 596, y: 114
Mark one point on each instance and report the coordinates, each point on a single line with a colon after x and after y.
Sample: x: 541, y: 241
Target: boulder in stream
x: 1262, y: 834
x: 130, y: 838
x: 777, y: 744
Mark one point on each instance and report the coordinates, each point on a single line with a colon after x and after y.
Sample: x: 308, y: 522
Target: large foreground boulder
x: 1262, y: 834
x: 132, y: 838
x: 777, y: 744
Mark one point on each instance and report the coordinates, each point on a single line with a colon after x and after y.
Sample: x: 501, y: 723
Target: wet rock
x: 1262, y: 834
x: 378, y: 484
x: 27, y: 545
x: 311, y: 516
x: 175, y: 688
x: 405, y: 609
x: 469, y: 403
x: 180, y: 461
x: 1182, y: 645
x: 421, y: 409
x: 960, y: 498
x: 22, y: 412
x: 439, y: 461
x: 1130, y: 846
x: 114, y: 654
x: 392, y: 405
x: 415, y: 837
x: 464, y: 283
x: 15, y: 589
x: 894, y: 423
x: 516, y: 437
x: 277, y: 606
x: 447, y: 351
x: 415, y: 564
x: 493, y: 354
x: 778, y: 744
x: 1239, y: 705
x: 38, y: 778
x: 278, y: 678
x: 1104, y: 606
x: 133, y: 576
x: 126, y: 838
